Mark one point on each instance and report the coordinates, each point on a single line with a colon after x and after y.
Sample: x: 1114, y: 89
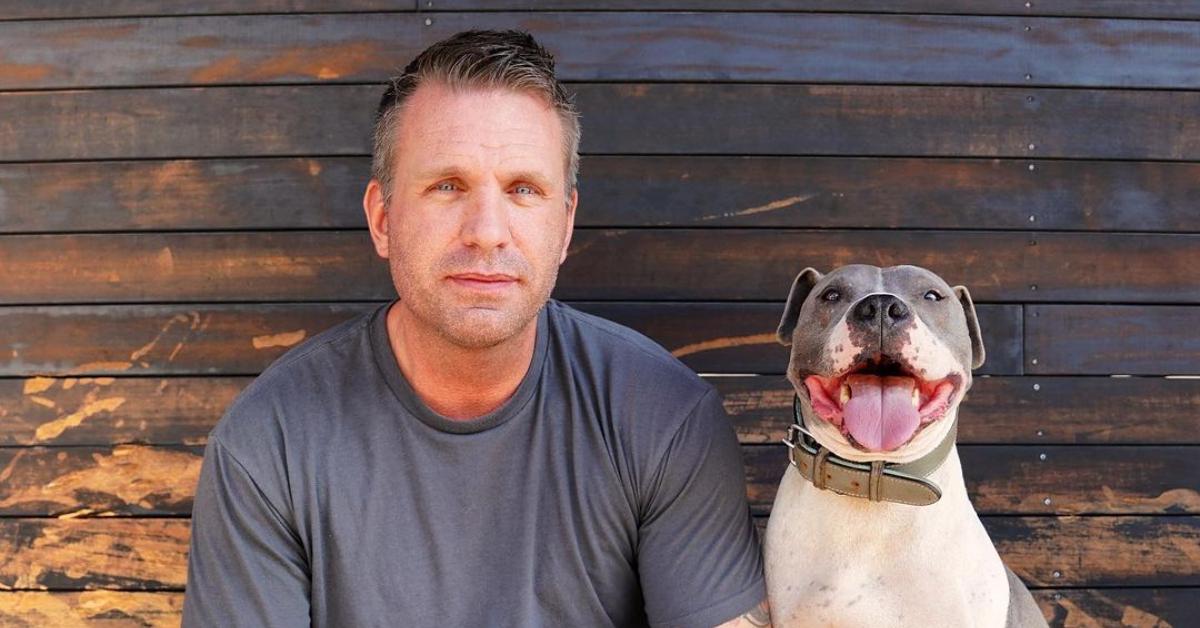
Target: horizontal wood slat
x: 1064, y: 607
x: 998, y: 410
x: 1110, y: 8
x: 1136, y: 340
x: 33, y: 9
x: 143, y: 480
x: 626, y: 191
x: 641, y: 264
x: 611, y: 46
x: 637, y: 118
x: 151, y: 554
x: 244, y: 339
x: 82, y: 609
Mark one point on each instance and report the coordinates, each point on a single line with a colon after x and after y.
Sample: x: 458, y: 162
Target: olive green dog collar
x: 876, y: 480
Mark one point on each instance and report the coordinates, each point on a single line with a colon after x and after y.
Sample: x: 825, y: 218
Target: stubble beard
x: 481, y: 324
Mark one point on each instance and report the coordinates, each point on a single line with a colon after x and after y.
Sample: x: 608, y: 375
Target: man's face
x: 479, y: 219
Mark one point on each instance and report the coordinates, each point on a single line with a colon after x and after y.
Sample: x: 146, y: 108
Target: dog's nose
x: 876, y: 306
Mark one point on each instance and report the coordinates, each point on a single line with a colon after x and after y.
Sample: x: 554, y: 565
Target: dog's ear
x: 791, y: 312
x: 968, y: 306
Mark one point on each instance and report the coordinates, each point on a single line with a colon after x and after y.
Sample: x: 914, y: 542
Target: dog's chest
x: 837, y: 561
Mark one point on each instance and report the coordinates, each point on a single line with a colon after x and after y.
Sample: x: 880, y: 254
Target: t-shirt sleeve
x: 698, y: 557
x: 246, y: 566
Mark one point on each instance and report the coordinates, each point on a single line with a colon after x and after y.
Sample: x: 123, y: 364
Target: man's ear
x: 377, y: 216
x: 791, y: 312
x: 968, y: 306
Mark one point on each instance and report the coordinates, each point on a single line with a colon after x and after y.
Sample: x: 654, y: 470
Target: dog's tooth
x: 845, y: 393
x: 916, y: 398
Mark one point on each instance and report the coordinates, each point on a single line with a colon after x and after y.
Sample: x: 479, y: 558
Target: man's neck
x: 457, y: 382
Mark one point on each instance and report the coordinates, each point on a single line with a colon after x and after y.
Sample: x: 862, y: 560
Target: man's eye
x: 445, y: 186
x: 524, y: 189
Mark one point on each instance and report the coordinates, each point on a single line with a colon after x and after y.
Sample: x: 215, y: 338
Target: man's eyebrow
x: 531, y: 176
x: 443, y: 172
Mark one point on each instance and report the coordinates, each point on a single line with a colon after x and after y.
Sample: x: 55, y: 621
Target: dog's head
x: 881, y: 357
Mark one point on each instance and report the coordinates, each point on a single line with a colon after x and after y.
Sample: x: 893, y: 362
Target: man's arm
x: 246, y: 566
x: 698, y: 553
x: 757, y: 617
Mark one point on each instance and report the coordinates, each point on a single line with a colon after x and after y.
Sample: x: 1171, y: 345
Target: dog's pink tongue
x: 880, y: 414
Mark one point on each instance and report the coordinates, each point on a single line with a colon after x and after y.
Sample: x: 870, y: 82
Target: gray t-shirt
x: 607, y: 491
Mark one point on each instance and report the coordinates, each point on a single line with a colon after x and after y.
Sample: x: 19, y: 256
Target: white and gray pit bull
x: 871, y: 525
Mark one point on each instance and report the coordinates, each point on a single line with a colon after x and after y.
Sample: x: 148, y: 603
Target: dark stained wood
x: 197, y: 122
x: 140, y: 480
x: 1099, y: 551
x: 244, y: 339
x: 156, y: 339
x: 98, y: 481
x: 1137, y: 340
x: 626, y: 191
x: 151, y: 554
x: 1109, y: 8
x: 36, y: 609
x: 1012, y: 410
x: 998, y: 410
x: 743, y: 264
x: 35, y: 9
x: 1004, y: 479
x: 183, y: 194
x: 760, y: 265
x: 611, y: 46
x: 113, y: 410
x: 1064, y: 607
x: 27, y: 9
x: 627, y: 118
x: 1124, y: 607
x: 905, y: 121
x: 98, y: 553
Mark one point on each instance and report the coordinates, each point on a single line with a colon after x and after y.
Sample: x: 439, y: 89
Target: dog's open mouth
x: 879, y: 405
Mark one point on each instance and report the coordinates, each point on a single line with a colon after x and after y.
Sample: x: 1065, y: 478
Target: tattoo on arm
x: 759, y: 616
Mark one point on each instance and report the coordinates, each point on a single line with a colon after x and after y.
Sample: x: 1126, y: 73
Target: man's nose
x: 880, y: 309
x: 485, y: 224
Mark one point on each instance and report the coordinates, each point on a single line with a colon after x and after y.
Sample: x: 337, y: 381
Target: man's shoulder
x: 299, y: 377
x: 605, y: 342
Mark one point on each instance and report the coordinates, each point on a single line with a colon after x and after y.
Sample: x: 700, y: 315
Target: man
x: 474, y: 453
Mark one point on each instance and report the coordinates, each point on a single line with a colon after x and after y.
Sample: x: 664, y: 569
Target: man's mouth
x: 879, y: 405
x: 483, y: 281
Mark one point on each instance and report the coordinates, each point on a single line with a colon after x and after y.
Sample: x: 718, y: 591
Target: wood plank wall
x: 179, y: 205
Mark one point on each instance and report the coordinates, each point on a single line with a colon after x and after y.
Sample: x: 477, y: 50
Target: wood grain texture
x: 637, y: 264
x: 1109, y: 8
x: 662, y: 119
x: 141, y: 480
x: 1030, y: 410
x: 109, y: 411
x: 89, y: 609
x: 151, y: 554
x: 98, y: 553
x: 611, y: 46
x: 1137, y: 340
x: 37, y: 9
x: 625, y: 191
x: 1063, y: 607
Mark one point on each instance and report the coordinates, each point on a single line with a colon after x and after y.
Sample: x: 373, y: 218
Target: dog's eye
x: 831, y: 295
x: 933, y: 295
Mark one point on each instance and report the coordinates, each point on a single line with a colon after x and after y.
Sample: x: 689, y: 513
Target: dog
x: 872, y: 525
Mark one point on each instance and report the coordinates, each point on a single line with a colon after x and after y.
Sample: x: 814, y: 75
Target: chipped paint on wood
x: 724, y: 343
x: 285, y: 339
x: 130, y: 476
x: 782, y: 203
x: 79, y: 609
x: 324, y: 62
x: 53, y: 429
x: 35, y: 385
